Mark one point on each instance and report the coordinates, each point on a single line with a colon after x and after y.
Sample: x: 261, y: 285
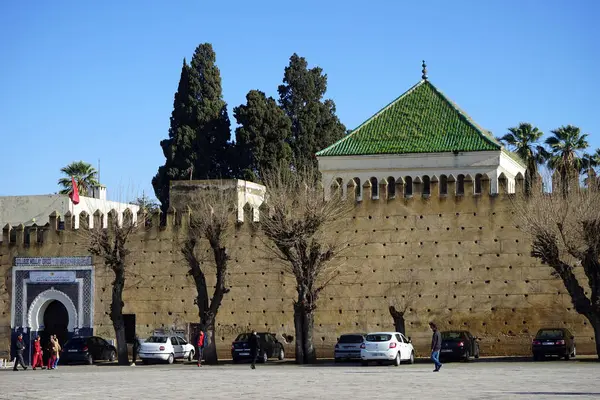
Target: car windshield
x: 451, y: 335
x: 380, y: 337
x: 243, y: 337
x: 351, y: 339
x: 550, y: 334
x: 157, y: 339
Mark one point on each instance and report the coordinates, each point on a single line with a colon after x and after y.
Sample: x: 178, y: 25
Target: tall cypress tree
x: 200, y: 128
x: 262, y: 137
x: 314, y: 123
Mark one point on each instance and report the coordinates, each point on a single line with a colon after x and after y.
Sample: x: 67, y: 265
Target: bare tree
x: 212, y: 212
x: 565, y: 231
x: 111, y: 244
x: 299, y: 225
x: 401, y: 298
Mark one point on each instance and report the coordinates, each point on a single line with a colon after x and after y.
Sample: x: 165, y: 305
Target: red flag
x: 75, y: 192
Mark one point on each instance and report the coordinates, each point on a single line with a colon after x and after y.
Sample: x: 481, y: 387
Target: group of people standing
x: 53, y: 348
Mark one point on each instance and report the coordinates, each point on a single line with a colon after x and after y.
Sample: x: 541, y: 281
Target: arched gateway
x: 52, y: 296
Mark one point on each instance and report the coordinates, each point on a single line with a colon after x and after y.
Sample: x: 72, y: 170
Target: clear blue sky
x: 95, y: 80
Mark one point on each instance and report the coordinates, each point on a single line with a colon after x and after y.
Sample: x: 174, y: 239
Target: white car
x: 166, y: 348
x: 387, y: 347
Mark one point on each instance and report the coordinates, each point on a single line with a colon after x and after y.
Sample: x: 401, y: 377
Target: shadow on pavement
x: 558, y: 393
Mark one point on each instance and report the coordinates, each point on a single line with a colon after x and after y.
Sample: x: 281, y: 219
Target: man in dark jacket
x: 436, y: 346
x: 254, y: 348
x: 20, y: 347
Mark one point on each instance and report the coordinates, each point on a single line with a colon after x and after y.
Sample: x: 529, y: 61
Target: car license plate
x: 548, y: 344
x: 378, y: 354
x: 447, y: 351
x: 244, y: 354
x: 72, y: 350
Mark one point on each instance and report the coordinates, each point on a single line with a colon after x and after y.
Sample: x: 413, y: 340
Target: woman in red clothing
x: 37, y: 354
x: 200, y: 345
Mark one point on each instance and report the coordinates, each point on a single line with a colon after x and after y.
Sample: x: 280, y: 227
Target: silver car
x: 348, y: 347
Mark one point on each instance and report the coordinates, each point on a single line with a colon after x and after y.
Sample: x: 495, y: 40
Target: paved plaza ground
x: 476, y: 380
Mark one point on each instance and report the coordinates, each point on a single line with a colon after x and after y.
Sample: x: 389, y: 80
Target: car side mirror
x: 409, y: 340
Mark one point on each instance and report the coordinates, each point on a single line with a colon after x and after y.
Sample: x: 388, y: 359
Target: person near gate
x: 254, y: 348
x: 20, y: 347
x: 37, y: 354
x: 52, y: 349
x: 200, y: 345
x: 436, y: 346
x: 58, y: 349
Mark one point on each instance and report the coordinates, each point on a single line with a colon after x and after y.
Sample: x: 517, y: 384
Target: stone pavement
x: 476, y: 380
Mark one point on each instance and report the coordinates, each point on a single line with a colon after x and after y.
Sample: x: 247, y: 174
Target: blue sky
x: 95, y: 80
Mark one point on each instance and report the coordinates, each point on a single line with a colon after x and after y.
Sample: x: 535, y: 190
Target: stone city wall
x: 458, y: 260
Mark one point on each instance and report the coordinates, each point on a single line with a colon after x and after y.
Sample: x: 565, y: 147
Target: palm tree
x: 84, y: 174
x: 523, y: 140
x: 588, y: 163
x: 566, y: 144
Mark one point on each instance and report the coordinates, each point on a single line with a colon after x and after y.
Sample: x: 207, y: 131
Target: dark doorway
x: 129, y: 320
x: 56, y: 322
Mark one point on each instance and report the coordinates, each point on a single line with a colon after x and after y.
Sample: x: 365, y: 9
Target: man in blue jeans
x: 436, y: 346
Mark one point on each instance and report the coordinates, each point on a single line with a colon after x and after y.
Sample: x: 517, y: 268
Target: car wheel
x: 337, y: 360
x: 90, y: 360
x: 397, y: 360
x: 364, y: 363
x: 537, y: 357
x: 191, y: 356
x: 112, y: 356
x: 411, y: 360
x: 467, y: 355
x: 264, y: 357
x: 281, y: 354
x: 171, y: 359
x: 477, y: 354
x: 146, y: 362
x: 567, y: 357
x: 574, y: 352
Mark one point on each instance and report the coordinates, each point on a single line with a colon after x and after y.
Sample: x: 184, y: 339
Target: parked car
x: 270, y: 347
x: 387, y: 347
x: 348, y: 347
x: 459, y: 345
x: 553, y: 342
x: 87, y: 349
x: 165, y: 348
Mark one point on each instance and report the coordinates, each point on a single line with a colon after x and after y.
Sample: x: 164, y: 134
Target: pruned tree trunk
x: 398, y: 317
x: 116, y: 315
x: 304, y: 326
x: 210, y: 347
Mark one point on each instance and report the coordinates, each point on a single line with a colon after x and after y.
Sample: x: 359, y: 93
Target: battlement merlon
x: 248, y: 194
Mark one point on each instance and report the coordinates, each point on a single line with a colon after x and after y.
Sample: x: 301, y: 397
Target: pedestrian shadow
x: 557, y: 393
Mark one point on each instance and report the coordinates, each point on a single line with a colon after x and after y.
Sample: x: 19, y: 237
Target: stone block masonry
x: 458, y: 260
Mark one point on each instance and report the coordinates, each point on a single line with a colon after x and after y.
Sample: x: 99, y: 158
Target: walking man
x: 200, y: 345
x: 254, y: 348
x: 436, y: 346
x: 37, y: 354
x: 20, y: 346
x: 135, y: 349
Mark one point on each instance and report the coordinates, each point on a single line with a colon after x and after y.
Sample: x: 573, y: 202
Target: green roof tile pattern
x: 422, y: 120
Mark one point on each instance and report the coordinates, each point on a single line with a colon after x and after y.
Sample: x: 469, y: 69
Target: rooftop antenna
x: 424, y: 71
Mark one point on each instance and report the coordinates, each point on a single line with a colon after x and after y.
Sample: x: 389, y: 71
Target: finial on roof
x: 424, y: 76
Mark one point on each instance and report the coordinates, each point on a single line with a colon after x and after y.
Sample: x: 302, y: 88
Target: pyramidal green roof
x: 422, y: 120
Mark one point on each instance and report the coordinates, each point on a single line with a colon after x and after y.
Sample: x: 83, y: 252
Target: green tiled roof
x: 422, y: 120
